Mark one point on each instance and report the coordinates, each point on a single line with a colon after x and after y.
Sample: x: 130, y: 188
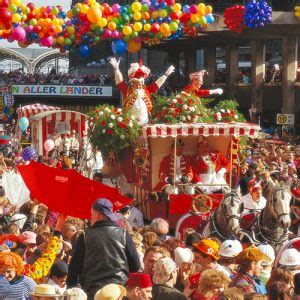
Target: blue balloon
x: 209, y: 18
x: 29, y: 154
x: 84, y: 51
x: 23, y: 123
x: 186, y: 9
x: 62, y: 15
x: 119, y: 47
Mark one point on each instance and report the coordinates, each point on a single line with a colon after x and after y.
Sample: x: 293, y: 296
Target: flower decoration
x: 114, y: 129
x: 226, y: 111
x: 181, y: 108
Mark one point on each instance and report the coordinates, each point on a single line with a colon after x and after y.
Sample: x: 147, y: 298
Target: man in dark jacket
x: 104, y: 253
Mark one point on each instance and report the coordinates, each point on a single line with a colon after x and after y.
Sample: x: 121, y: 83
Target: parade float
x: 140, y: 150
x: 44, y: 120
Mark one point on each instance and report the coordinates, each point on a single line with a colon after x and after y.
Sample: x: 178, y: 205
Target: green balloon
x: 151, y: 35
x: 116, y: 20
x: 96, y: 39
x: 144, y: 8
x: 143, y: 21
x: 99, y: 31
x: 75, y: 10
x: 125, y: 18
x: 72, y: 37
x: 127, y: 38
x: 94, y: 26
x: 134, y: 34
x: 120, y: 27
x: 68, y: 41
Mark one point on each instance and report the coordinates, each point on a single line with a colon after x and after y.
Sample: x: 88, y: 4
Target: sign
x: 62, y: 90
x: 285, y: 119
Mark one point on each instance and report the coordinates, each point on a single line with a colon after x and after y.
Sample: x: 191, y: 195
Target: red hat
x: 139, y: 280
x: 254, y: 185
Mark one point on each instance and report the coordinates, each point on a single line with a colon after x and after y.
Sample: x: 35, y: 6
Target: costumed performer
x: 137, y: 96
x: 254, y: 200
x: 209, y: 168
x: 196, y: 83
x: 183, y: 172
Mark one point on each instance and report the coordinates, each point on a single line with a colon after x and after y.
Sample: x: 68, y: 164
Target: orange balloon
x: 145, y: 15
x: 94, y: 14
x: 69, y: 14
x: 133, y: 46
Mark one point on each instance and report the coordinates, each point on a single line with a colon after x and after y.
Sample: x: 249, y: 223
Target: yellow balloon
x: 138, y: 26
x: 147, y: 27
x: 136, y: 6
x: 102, y: 22
x: 127, y: 30
x: 176, y: 7
x: 201, y: 12
x: 164, y: 27
x: 91, y: 2
x: 201, y: 6
x: 133, y: 46
x: 58, y: 28
x: 16, y: 2
x: 84, y: 8
x: 194, y: 18
x: 24, y: 17
x: 137, y: 16
x: 163, y: 13
x: 70, y: 29
x: 16, y: 18
x: 78, y: 5
x: 166, y: 33
x: 55, y: 21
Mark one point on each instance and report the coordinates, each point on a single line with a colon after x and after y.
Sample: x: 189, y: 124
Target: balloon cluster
x: 89, y: 23
x: 28, y: 24
x: 297, y: 12
x: 257, y: 14
x: 234, y: 18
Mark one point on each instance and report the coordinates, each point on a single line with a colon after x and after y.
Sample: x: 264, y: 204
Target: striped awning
x: 33, y: 109
x: 205, y: 129
x: 60, y: 115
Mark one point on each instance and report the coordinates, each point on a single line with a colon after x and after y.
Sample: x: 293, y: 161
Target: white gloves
x: 221, y: 172
x: 115, y: 63
x: 170, y: 70
x: 216, y: 92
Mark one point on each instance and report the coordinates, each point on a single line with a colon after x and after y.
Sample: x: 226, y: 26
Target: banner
x: 62, y: 90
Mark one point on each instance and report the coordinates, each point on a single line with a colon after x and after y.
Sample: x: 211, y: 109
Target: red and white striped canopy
x: 205, y: 129
x: 32, y: 109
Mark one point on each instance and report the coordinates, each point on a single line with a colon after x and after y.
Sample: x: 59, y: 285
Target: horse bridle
x: 282, y: 214
x: 234, y: 199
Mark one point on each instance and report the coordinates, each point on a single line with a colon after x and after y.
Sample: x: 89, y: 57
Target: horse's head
x: 279, y: 206
x: 231, y: 208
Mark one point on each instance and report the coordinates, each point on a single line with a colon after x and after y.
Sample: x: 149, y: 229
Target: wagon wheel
x: 202, y: 204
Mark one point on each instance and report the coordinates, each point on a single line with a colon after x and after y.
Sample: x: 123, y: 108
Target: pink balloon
x: 115, y: 34
x: 29, y: 28
x: 49, y: 145
x: 18, y: 34
x: 193, y: 9
x: 115, y: 8
x: 46, y: 41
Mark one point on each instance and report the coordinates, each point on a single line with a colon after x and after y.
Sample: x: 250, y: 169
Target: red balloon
x: 60, y: 9
x: 31, y: 15
x: 155, y: 28
x: 174, y: 16
x: 37, y: 28
x: 170, y: 2
x: 4, y: 3
x: 30, y: 6
x: 44, y: 15
x: 5, y: 16
x: 185, y: 18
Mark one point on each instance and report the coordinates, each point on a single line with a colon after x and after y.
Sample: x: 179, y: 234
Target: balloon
x: 136, y: 6
x: 84, y: 51
x: 29, y: 154
x: 138, y: 26
x: 134, y: 46
x: 49, y: 145
x: 177, y: 7
x: 94, y: 14
x: 23, y: 123
x: 127, y: 30
x: 119, y: 47
x: 47, y: 41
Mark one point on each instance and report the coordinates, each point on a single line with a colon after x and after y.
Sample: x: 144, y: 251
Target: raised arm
x: 118, y: 75
x: 161, y: 80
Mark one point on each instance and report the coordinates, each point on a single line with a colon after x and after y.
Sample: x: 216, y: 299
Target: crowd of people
x: 18, y: 77
x: 119, y: 255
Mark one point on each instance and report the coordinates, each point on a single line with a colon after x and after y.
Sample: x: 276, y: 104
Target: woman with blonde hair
x: 210, y: 285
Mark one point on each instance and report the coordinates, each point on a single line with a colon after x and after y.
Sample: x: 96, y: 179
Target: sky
x: 64, y: 3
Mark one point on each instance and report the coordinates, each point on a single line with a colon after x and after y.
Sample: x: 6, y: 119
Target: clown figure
x: 196, y: 83
x: 137, y: 96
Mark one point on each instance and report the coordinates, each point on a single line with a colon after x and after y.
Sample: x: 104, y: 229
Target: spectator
x: 151, y: 256
x: 279, y: 291
x: 164, y: 278
x: 139, y: 287
x: 104, y: 253
x: 58, y: 276
x: 75, y: 294
x: 283, y: 275
x: 45, y: 291
x: 111, y: 292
